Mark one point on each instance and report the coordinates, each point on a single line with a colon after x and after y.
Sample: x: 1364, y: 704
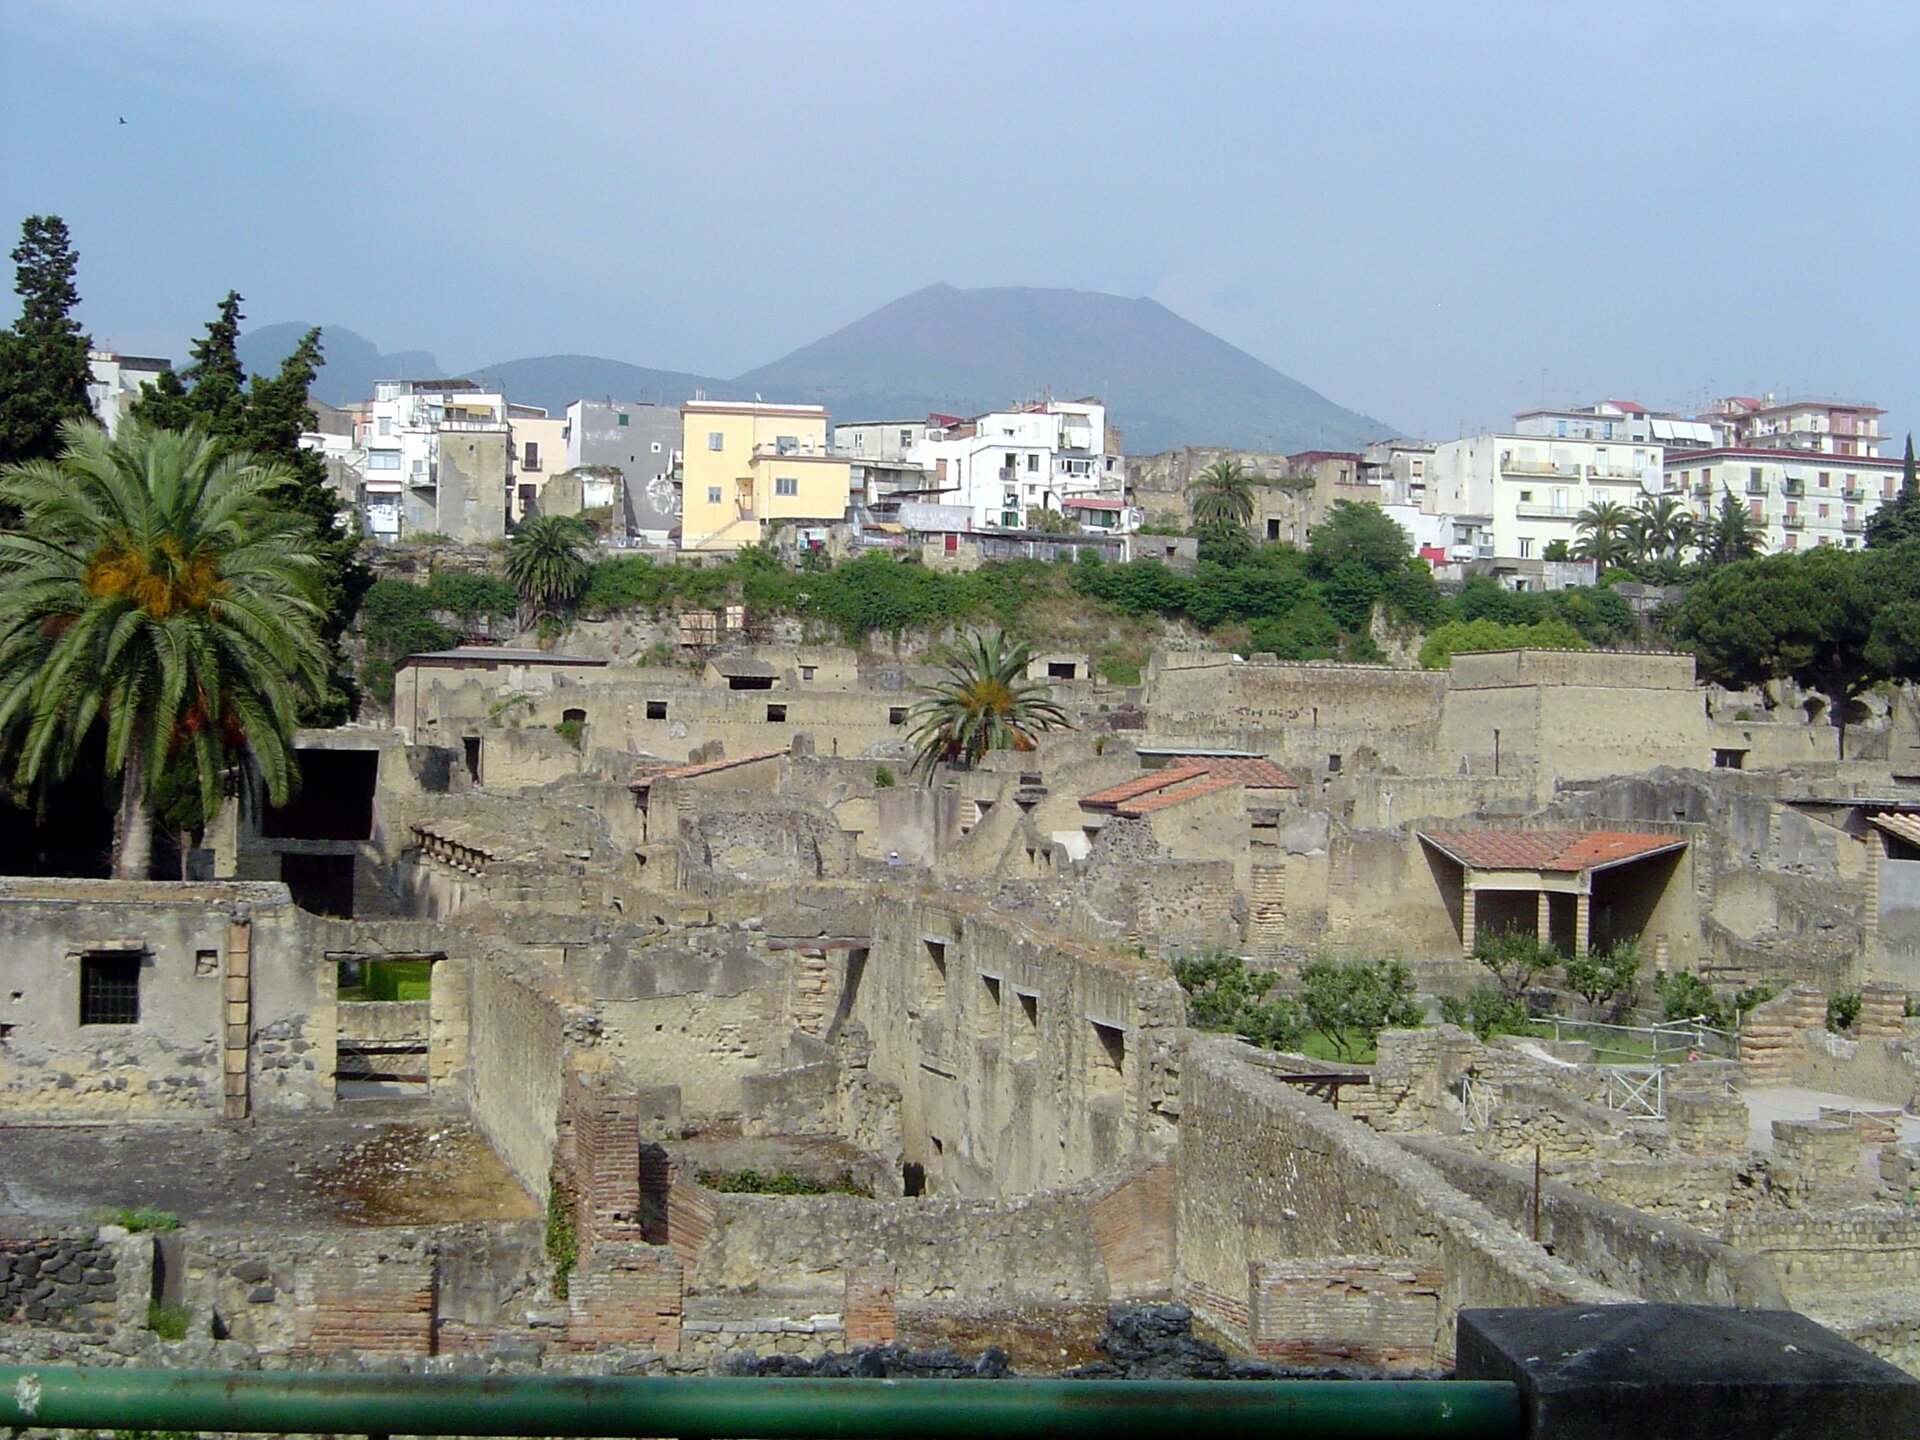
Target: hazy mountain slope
x: 353, y: 362
x: 555, y: 381
x: 1166, y: 381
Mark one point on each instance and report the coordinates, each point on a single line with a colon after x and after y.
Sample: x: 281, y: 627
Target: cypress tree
x: 43, y: 355
x: 1899, y: 518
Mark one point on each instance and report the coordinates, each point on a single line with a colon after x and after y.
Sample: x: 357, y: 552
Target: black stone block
x: 1685, y: 1371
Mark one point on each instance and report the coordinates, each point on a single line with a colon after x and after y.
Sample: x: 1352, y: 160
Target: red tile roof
x: 1143, y: 785
x: 1257, y: 774
x: 705, y: 767
x: 1159, y: 800
x: 1568, y: 850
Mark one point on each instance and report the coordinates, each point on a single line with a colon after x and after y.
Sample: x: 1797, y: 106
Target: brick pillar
x: 1883, y: 1011
x: 1467, y: 923
x: 1543, y: 919
x: 237, y: 1002
x: 1582, y: 922
x: 869, y: 1311
x: 627, y: 1296
x: 1876, y: 852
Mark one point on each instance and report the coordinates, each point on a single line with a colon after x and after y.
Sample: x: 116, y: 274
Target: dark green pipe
x: 706, y: 1408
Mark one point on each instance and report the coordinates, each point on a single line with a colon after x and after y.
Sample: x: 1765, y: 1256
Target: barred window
x: 110, y: 989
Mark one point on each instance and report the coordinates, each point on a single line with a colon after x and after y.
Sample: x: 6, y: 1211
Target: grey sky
x: 1433, y: 213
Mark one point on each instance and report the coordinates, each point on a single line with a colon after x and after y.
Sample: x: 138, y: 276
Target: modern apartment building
x: 747, y: 465
x: 886, y: 441
x: 438, y: 460
x: 117, y: 382
x: 1827, y: 427
x: 642, y: 442
x: 1530, y: 488
x: 1802, y: 499
x: 1054, y: 455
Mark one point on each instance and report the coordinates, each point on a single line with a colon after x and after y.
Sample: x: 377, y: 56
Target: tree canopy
x: 1899, y: 518
x: 43, y: 354
x: 982, y: 702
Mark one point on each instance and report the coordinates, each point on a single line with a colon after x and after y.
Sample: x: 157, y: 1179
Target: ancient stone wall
x: 519, y: 1053
x: 63, y: 1281
x: 1824, y: 1254
x: 1266, y: 1174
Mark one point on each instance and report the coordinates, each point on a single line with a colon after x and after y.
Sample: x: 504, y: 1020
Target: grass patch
x: 140, y: 1218
x: 1360, y: 1047
x: 169, y: 1322
x: 389, y: 980
x: 780, y: 1182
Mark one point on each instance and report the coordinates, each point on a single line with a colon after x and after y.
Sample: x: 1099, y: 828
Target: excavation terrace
x: 698, y: 1027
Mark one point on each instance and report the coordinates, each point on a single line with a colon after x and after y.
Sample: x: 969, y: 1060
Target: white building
x: 887, y: 441
x: 1827, y: 427
x: 1619, y: 420
x: 403, y: 436
x: 1530, y: 488
x: 1049, y: 456
x: 117, y: 382
x: 1802, y: 499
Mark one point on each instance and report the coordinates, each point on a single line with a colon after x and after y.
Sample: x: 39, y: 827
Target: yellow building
x: 746, y: 466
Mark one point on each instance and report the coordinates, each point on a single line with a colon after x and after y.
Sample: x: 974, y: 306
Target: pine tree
x: 1899, y: 518
x: 265, y: 417
x: 43, y: 356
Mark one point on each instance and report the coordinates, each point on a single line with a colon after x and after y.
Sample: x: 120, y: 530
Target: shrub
x: 1487, y: 1011
x: 1751, y: 996
x: 1223, y: 994
x: 780, y: 1182
x: 884, y: 778
x: 570, y: 731
x: 169, y: 1322
x: 1842, y: 1010
x: 1357, y: 998
x: 1487, y: 634
x: 1599, y: 978
x: 1515, y: 957
x: 562, y: 1241
x: 1684, y: 996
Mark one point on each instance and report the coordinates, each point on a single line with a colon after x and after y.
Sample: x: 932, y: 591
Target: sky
x: 1433, y: 213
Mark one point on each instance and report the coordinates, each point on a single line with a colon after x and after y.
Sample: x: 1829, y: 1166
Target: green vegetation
x: 1685, y: 996
x: 1843, y: 1010
x: 778, y: 1182
x: 1899, y: 519
x: 1348, y: 1003
x: 570, y: 731
x: 1444, y: 641
x: 1600, y: 977
x: 169, y: 1322
x: 390, y: 980
x: 1336, y: 1013
x: 1222, y: 497
x: 547, y: 565
x: 562, y: 1239
x: 883, y: 778
x: 43, y: 354
x: 984, y: 702
x: 157, y: 594
x: 1223, y: 994
x: 1516, y: 959
x: 140, y: 1219
x: 1487, y: 1011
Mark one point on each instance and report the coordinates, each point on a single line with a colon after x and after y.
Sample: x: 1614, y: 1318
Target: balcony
x: 1793, y: 486
x: 1793, y: 522
x: 1008, y: 474
x: 530, y: 467
x: 1523, y: 466
x: 1703, y: 487
x: 1852, y: 492
x: 1854, y: 527
x: 1529, y: 511
x: 1756, y: 487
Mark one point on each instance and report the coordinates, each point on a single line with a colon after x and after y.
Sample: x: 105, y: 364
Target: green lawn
x: 390, y: 980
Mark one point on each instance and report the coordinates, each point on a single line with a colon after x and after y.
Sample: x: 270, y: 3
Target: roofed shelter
x: 1573, y: 888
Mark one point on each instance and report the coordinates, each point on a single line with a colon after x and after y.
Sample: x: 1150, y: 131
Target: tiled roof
x: 1902, y: 827
x: 1145, y: 784
x: 705, y: 767
x: 1567, y: 850
x: 1260, y: 774
x: 1160, y: 799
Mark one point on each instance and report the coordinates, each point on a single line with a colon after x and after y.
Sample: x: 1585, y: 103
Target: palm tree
x: 984, y: 702
x: 1222, y: 496
x: 155, y: 593
x: 1734, y: 534
x: 1661, y: 527
x: 1604, y: 528
x: 547, y: 564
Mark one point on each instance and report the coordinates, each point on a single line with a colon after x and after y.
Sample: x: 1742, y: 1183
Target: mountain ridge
x: 1166, y: 382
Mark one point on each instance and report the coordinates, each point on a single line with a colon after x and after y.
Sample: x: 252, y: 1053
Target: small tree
x: 1223, y: 994
x: 1685, y: 996
x: 547, y: 564
x: 43, y: 354
x: 1598, y: 978
x: 983, y: 702
x: 1351, y: 1003
x: 1222, y: 496
x: 1516, y: 959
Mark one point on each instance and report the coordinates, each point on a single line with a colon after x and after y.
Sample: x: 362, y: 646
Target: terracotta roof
x: 1901, y: 827
x: 705, y: 767
x: 1163, y: 798
x: 1259, y: 774
x: 1567, y: 850
x: 1177, y: 774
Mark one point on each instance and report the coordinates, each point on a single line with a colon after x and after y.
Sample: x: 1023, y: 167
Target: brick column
x: 1467, y: 922
x: 237, y: 1027
x: 1876, y: 852
x: 1883, y: 1011
x: 1543, y: 920
x: 1582, y: 921
x: 869, y: 1312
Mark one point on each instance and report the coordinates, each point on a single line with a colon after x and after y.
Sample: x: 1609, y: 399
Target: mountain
x: 353, y: 362
x: 1166, y: 381
x: 555, y: 381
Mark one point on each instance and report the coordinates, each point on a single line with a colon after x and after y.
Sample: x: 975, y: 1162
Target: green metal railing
x: 706, y: 1408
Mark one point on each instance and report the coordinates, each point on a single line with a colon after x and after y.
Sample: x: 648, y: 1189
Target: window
x: 1060, y: 669
x: 1012, y: 460
x: 713, y: 494
x: 624, y: 417
x: 786, y: 485
x: 906, y: 438
x: 656, y: 709
x: 1729, y: 759
x: 896, y: 715
x: 1333, y: 764
x: 386, y: 425
x: 715, y: 440
x: 383, y: 460
x: 531, y: 459
x: 934, y: 994
x: 989, y: 1026
x: 1826, y: 479
x: 110, y: 989
x: 1526, y: 497
x: 1106, y: 1058
x: 1526, y: 548
x: 656, y: 447
x: 776, y: 714
x: 1033, y: 463
x: 786, y: 444
x: 806, y: 672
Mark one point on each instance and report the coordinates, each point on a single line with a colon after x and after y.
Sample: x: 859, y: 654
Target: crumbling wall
x: 518, y: 1049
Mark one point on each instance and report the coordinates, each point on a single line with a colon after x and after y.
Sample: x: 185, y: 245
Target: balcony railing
x: 1852, y: 492
x: 1793, y: 487
x: 1793, y: 522
x: 1514, y: 465
x: 1529, y: 511
x: 1756, y: 487
x: 1854, y: 526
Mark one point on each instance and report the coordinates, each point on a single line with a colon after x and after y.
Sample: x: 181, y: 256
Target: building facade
x: 1802, y: 499
x: 642, y: 442
x: 117, y: 381
x: 747, y: 465
x: 1006, y: 463
x: 438, y: 460
x: 1532, y: 488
